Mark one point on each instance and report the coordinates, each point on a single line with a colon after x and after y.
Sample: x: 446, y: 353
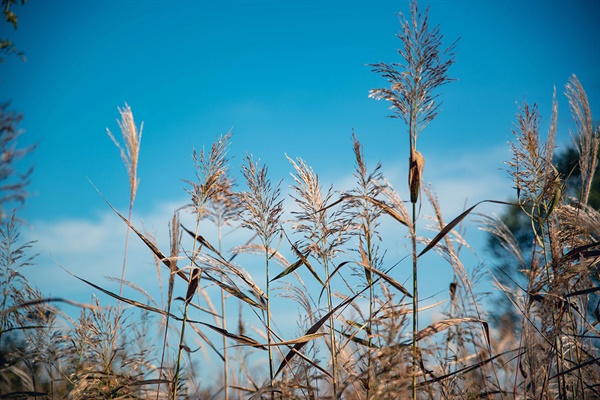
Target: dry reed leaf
x: 148, y: 382
x: 313, y: 329
x: 576, y: 367
x: 358, y: 340
x: 364, y: 260
x: 406, y: 311
x: 340, y: 265
x: 364, y: 263
x: 207, y: 341
x: 164, y: 259
x: 289, y: 269
x: 234, y: 291
x: 240, y: 274
x: 301, y: 339
x: 304, y: 259
x: 124, y: 299
x: 193, y: 284
x: 45, y: 300
x: 133, y: 286
x: 416, y: 163
x: 242, y: 339
x: 244, y: 277
x: 447, y: 323
x: 197, y: 307
x: 386, y: 208
x: 455, y: 222
x: 259, y: 248
x: 583, y: 291
x: 581, y: 251
x: 201, y: 240
x: 470, y: 368
x: 260, y: 294
x: 264, y: 390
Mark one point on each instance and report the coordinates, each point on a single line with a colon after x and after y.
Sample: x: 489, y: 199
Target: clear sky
x: 289, y: 77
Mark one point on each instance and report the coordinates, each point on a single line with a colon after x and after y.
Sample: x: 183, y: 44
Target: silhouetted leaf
x: 242, y: 339
x: 358, y: 340
x: 234, y: 291
x: 447, y: 323
x: 289, y: 270
x: 148, y: 243
x: 207, y: 340
x: 455, y: 222
x: 313, y: 329
x: 200, y: 239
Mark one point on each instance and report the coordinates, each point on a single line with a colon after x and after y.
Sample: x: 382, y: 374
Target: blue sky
x: 288, y: 77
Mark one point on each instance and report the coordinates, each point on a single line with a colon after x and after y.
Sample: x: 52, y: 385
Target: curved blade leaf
x: 455, y: 222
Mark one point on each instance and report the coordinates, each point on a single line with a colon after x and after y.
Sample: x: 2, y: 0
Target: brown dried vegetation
x: 358, y: 335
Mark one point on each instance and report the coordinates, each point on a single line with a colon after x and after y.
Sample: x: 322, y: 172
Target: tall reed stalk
x: 324, y: 232
x: 552, y: 352
x: 130, y: 150
x: 364, y: 215
x: 556, y: 275
x: 223, y: 210
x: 175, y: 236
x: 210, y: 168
x: 263, y: 211
x: 411, y: 94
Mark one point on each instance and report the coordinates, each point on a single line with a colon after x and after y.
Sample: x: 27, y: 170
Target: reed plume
x: 413, y: 99
x: 129, y: 155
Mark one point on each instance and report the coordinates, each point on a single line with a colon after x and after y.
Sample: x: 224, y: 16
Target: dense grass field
x: 321, y: 255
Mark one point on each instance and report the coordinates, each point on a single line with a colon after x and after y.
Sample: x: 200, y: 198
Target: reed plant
x: 223, y: 211
x: 210, y: 168
x: 130, y: 150
x: 324, y: 232
x: 558, y: 340
x: 324, y: 253
x: 263, y: 211
x: 413, y: 82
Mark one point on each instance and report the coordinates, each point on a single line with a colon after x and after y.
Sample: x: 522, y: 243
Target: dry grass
x: 357, y: 333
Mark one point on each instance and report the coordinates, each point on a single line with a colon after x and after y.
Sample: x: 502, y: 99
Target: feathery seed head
x: 413, y: 82
x: 262, y: 203
x: 323, y: 231
x: 131, y: 148
x: 531, y: 166
x: 210, y: 170
x: 586, y: 142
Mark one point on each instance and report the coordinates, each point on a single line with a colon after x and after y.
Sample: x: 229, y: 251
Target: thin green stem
x: 415, y: 304
x: 370, y: 333
x: 371, y: 304
x: 269, y: 322
x: 181, y: 338
x: 195, y: 249
x: 125, y: 255
x: 331, y: 330
x: 556, y: 325
x: 224, y: 323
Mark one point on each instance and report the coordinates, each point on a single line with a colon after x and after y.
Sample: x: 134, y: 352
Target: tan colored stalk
x: 210, y: 168
x: 323, y: 233
x: 412, y: 99
x: 364, y: 213
x: 129, y: 154
x: 223, y: 209
x: 263, y: 210
x: 173, y: 258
